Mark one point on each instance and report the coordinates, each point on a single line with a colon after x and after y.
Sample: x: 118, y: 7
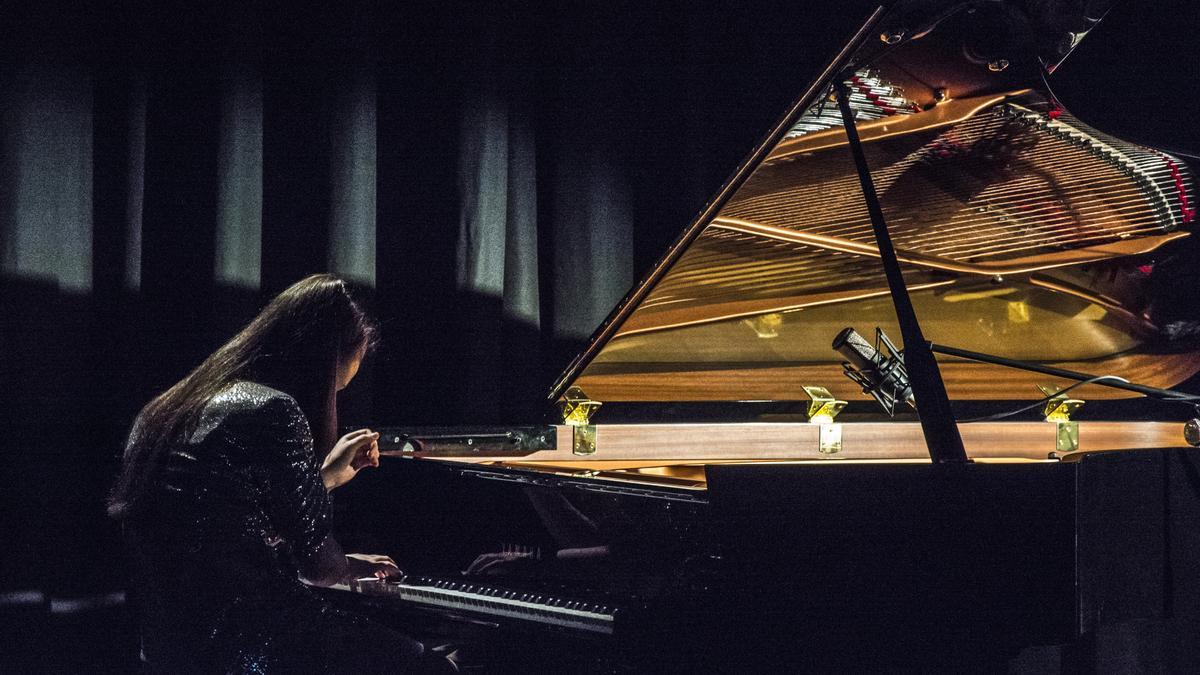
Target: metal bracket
x: 1058, y: 410
x: 577, y: 410
x: 465, y: 442
x: 822, y: 410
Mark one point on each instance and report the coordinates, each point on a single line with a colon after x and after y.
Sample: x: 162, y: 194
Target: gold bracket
x: 822, y: 409
x: 1058, y: 410
x: 577, y: 410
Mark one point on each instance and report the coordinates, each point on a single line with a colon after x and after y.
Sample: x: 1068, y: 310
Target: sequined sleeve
x: 277, y: 437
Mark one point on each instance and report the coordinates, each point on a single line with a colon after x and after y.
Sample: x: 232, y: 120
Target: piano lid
x: 1022, y: 232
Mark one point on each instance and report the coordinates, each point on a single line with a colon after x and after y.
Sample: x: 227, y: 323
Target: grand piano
x: 718, y: 494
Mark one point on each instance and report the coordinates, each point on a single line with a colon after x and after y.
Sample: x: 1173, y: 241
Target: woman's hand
x: 365, y: 565
x: 351, y: 453
x: 507, y: 562
x: 500, y: 562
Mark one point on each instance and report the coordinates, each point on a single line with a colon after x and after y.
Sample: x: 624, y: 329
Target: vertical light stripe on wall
x: 483, y: 195
x: 136, y: 185
x: 521, y: 261
x: 46, y: 170
x: 352, y: 178
x: 238, y: 254
x: 593, y: 240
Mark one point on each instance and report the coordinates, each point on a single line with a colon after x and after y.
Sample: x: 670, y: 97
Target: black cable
x: 1044, y: 400
x: 1190, y: 399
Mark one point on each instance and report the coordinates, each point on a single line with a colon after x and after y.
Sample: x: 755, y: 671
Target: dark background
x: 617, y: 120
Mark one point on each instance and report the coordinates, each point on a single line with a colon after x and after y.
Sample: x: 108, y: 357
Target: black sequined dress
x: 216, y: 551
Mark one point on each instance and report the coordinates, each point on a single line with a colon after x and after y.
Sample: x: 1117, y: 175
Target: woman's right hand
x: 365, y: 565
x: 352, y: 452
x: 500, y: 562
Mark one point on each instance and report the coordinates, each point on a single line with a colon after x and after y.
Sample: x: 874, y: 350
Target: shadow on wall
x: 76, y: 368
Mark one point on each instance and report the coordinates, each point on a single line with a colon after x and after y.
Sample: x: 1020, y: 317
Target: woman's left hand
x: 365, y: 566
x: 352, y: 452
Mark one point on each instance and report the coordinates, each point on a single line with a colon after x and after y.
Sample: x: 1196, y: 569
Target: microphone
x: 882, y: 376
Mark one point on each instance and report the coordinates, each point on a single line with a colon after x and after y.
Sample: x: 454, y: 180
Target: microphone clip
x: 888, y: 381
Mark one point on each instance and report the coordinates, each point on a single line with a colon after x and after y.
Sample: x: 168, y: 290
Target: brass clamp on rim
x: 577, y: 409
x: 822, y: 409
x: 1058, y: 410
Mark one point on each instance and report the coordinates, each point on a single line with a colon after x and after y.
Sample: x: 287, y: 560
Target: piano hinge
x: 822, y: 410
x: 1058, y: 410
x: 577, y: 410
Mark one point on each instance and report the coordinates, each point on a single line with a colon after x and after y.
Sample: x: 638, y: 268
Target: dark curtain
x: 479, y: 168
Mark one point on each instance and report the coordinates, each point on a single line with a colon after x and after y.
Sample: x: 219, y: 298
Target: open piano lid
x: 1022, y: 232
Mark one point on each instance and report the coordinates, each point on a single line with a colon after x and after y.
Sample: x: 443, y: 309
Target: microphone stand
x: 1191, y: 428
x: 937, y: 419
x: 1152, y: 392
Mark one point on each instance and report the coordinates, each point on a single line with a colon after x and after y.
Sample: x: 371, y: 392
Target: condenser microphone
x: 883, y: 376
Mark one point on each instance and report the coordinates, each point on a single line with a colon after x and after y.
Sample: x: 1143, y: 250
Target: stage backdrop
x: 497, y: 176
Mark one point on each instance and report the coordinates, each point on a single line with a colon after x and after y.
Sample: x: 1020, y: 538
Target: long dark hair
x: 294, y: 344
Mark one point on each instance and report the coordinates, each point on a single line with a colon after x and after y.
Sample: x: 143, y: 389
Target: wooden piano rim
x: 674, y: 455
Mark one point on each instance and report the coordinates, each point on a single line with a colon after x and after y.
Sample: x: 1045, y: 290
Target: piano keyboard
x: 492, y: 601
